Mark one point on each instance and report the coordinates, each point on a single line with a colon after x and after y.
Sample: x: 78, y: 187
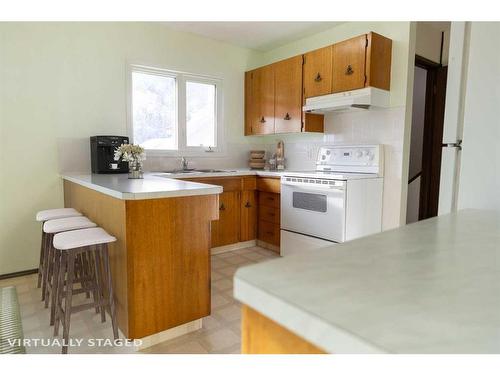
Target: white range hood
x: 361, y: 99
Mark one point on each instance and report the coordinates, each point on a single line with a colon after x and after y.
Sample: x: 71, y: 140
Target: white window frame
x: 180, y: 102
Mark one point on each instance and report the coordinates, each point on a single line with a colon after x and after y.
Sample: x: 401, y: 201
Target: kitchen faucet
x: 184, y: 163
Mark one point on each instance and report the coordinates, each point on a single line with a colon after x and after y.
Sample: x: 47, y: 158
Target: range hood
x: 361, y: 99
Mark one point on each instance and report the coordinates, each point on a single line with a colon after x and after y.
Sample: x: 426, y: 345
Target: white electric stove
x: 338, y: 201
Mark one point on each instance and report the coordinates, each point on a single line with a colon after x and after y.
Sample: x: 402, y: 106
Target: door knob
x: 349, y: 70
x: 248, y: 205
x: 318, y: 78
x: 262, y: 120
x: 287, y: 117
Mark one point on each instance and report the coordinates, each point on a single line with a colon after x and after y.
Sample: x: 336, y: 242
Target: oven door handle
x: 325, y: 188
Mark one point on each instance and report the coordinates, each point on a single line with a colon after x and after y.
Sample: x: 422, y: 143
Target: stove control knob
x: 358, y: 154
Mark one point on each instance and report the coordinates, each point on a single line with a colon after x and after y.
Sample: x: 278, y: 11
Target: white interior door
x: 453, y: 118
x: 470, y: 178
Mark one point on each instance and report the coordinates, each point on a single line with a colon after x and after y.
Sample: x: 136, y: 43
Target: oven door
x: 314, y: 209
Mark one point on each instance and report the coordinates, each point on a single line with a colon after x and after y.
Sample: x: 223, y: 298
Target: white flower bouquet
x: 134, y: 155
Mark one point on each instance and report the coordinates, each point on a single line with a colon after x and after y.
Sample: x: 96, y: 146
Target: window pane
x: 154, y: 111
x: 200, y: 114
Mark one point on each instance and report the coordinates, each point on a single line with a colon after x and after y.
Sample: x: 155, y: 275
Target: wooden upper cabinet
x: 349, y: 64
x: 378, y: 61
x: 288, y: 95
x: 318, y: 72
x: 260, y: 107
x: 361, y: 62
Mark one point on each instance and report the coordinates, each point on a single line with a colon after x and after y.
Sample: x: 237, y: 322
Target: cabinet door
x: 261, y: 111
x: 349, y: 64
x: 248, y: 215
x: 318, y: 72
x: 226, y: 230
x: 288, y: 95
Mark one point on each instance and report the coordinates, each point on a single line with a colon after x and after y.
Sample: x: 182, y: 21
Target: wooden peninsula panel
x: 161, y: 260
x: 261, y: 335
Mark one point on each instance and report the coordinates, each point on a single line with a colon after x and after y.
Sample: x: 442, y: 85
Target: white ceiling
x: 262, y: 36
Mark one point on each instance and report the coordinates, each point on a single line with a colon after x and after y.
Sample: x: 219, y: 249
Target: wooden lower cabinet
x: 269, y: 211
x: 226, y: 230
x: 249, y: 209
x: 261, y: 335
x: 248, y: 224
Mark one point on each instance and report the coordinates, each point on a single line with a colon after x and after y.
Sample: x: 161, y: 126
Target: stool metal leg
x: 67, y: 303
x: 111, y: 300
x: 40, y: 264
x: 49, y: 270
x: 100, y: 281
x: 45, y: 264
x: 55, y: 284
x: 60, y: 291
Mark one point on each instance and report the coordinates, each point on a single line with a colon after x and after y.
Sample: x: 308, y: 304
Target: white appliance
x: 360, y: 99
x: 339, y: 201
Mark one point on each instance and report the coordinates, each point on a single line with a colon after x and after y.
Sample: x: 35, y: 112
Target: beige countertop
x: 428, y: 287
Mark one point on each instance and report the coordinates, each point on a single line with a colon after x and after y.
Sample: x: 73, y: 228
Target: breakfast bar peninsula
x: 161, y: 260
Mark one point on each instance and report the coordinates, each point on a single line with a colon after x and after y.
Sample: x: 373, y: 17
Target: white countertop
x: 429, y: 287
x: 156, y: 184
x: 150, y: 187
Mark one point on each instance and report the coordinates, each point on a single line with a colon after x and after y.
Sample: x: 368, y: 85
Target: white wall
x: 63, y: 82
x: 428, y: 43
x: 480, y: 162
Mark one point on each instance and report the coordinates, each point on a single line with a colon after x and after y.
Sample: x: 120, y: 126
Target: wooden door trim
x: 433, y: 135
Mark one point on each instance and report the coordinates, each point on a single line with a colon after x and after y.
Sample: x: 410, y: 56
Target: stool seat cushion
x: 80, y: 238
x: 56, y: 213
x: 68, y: 223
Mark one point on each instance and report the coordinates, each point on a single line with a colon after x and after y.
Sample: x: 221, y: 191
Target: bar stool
x: 51, y: 271
x: 93, y: 243
x: 43, y: 216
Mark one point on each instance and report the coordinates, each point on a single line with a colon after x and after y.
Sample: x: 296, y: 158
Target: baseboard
x: 268, y: 246
x: 17, y: 274
x: 232, y: 247
x: 169, y: 334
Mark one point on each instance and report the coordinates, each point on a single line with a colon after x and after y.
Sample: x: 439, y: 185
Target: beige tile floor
x: 220, y: 332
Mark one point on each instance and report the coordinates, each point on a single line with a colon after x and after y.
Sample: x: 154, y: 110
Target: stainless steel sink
x: 184, y: 171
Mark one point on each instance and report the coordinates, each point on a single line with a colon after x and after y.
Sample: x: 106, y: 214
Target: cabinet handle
x: 222, y: 207
x: 248, y: 205
x: 318, y: 78
x: 349, y: 70
x: 262, y: 120
x: 287, y: 117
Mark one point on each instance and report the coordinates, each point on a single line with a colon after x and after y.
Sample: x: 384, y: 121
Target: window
x: 175, y: 113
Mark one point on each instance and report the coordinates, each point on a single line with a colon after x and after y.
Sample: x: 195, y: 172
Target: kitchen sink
x: 185, y: 171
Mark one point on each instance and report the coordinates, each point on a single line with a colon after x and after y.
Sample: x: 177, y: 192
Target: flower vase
x: 135, y: 170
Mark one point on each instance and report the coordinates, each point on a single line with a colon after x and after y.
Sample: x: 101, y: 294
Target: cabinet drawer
x: 227, y: 183
x: 270, y: 214
x: 269, y: 199
x: 269, y: 184
x: 269, y: 232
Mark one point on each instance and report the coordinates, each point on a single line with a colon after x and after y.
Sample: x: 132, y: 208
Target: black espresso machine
x: 102, y: 153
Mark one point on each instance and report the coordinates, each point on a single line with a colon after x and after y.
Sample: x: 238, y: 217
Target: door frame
x: 435, y: 97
